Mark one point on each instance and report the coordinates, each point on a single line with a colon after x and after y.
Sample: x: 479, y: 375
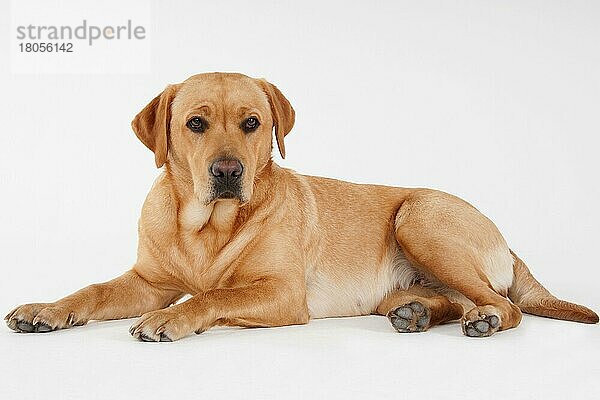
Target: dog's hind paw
x: 411, y: 317
x: 477, y: 324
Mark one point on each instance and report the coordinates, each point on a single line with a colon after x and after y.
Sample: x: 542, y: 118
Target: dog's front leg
x: 266, y: 302
x: 129, y: 295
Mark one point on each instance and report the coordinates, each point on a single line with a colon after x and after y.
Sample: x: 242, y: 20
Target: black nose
x: 226, y: 169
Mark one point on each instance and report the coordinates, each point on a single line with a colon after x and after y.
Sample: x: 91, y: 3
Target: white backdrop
x: 496, y: 102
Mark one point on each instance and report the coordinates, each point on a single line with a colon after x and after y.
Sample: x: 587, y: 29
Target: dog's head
x: 216, y: 129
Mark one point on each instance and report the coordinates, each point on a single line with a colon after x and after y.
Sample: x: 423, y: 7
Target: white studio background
x: 496, y: 102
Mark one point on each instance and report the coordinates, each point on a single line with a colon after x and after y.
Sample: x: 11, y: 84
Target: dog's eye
x: 197, y: 124
x: 250, y: 124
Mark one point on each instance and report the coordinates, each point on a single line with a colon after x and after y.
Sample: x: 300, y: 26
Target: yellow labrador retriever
x: 258, y: 245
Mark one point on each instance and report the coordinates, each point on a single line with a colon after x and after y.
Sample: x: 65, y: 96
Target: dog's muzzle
x: 227, y: 178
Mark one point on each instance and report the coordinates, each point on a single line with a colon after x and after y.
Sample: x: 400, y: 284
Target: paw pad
x: 411, y: 317
x: 145, y: 338
x: 483, y: 326
x: 28, y: 327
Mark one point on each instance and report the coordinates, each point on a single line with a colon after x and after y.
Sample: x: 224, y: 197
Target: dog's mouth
x: 230, y: 191
x: 227, y: 194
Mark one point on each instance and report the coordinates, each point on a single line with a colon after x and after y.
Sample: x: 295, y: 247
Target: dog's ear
x: 282, y: 112
x: 151, y: 125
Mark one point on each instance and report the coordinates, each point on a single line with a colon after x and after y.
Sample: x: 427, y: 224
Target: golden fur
x: 292, y: 247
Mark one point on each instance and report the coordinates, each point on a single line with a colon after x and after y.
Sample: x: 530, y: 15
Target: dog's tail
x: 532, y: 298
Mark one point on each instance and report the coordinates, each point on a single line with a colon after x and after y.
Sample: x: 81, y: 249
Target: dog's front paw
x: 164, y: 325
x: 40, y: 318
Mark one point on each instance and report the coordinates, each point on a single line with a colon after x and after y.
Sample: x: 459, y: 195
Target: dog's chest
x: 336, y: 292
x: 205, y: 231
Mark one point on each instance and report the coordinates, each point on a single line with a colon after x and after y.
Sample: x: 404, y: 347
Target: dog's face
x: 217, y: 130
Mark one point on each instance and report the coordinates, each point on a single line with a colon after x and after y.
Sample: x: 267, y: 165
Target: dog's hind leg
x: 451, y: 241
x: 417, y: 309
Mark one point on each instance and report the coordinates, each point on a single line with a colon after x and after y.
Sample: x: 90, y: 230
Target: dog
x: 257, y: 245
